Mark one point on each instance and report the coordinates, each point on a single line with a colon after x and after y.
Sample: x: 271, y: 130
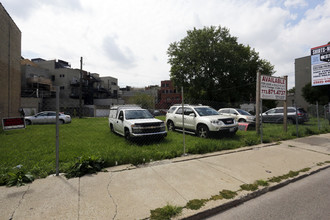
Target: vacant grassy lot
x: 34, y: 147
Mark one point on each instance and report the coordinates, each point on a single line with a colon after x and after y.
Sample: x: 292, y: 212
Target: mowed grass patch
x: 34, y: 147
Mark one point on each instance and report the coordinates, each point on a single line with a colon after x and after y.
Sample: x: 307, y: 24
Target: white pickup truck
x: 133, y: 121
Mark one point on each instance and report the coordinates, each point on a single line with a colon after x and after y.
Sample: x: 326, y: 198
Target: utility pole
x: 80, y: 89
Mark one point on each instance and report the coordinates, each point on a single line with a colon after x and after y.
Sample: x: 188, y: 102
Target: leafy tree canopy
x: 316, y: 93
x: 144, y: 100
x: 292, y: 90
x: 210, y: 64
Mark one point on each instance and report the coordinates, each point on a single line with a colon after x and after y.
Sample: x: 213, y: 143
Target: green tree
x: 292, y: 90
x: 144, y: 100
x: 210, y: 64
x: 316, y: 93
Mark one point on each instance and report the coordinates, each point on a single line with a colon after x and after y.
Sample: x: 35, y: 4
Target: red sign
x: 13, y: 123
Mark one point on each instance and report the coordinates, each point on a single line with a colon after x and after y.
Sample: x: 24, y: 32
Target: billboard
x: 320, y: 60
x: 273, y: 88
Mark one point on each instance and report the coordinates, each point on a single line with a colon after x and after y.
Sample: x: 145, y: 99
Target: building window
x: 62, y: 88
x: 53, y: 77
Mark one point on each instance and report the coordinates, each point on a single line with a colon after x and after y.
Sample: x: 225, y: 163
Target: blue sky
x: 128, y: 39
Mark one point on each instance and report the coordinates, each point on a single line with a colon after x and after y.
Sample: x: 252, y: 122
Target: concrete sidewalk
x: 128, y: 192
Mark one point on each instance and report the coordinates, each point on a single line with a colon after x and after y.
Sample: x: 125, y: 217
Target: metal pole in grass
x: 183, y: 131
x: 317, y: 114
x: 295, y: 106
x: 57, y: 127
x: 261, y: 129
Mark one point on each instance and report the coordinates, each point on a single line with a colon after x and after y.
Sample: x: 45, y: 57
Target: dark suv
x: 275, y: 115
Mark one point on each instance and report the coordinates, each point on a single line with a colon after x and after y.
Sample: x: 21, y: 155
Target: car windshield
x: 206, y: 111
x: 137, y: 114
x: 242, y: 112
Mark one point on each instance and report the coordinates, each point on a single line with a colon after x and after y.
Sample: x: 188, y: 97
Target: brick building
x: 10, y: 68
x: 168, y: 95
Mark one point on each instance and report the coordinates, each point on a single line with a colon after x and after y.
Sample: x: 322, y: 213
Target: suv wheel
x: 241, y: 120
x: 202, y: 131
x: 170, y: 126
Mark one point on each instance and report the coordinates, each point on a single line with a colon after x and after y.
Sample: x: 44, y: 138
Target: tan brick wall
x: 10, y: 70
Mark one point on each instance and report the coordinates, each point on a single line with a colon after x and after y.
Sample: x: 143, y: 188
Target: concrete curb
x: 244, y: 198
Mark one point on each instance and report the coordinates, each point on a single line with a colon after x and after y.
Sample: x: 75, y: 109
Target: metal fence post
x: 295, y: 106
x: 317, y: 114
x: 261, y: 127
x: 183, y: 130
x: 57, y: 128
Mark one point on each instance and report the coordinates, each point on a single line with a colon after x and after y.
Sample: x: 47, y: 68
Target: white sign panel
x: 320, y: 60
x: 273, y: 88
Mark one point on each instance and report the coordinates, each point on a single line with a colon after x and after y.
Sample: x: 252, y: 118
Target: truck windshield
x: 137, y: 114
x: 206, y: 111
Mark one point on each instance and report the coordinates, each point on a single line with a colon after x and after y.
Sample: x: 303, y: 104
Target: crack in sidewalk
x: 307, y: 149
x: 219, y: 170
x: 19, y: 203
x: 113, y: 200
x: 169, y: 184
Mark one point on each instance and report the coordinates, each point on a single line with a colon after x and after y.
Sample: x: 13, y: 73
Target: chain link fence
x: 128, y: 138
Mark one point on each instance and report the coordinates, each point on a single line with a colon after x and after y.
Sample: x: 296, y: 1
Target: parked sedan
x: 239, y: 114
x: 275, y: 115
x: 48, y: 117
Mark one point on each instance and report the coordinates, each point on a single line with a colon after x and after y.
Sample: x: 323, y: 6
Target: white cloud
x: 295, y: 3
x: 128, y: 39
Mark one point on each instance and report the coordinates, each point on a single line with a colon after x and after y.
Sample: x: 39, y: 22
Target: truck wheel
x: 111, y: 128
x: 170, y: 126
x: 127, y: 134
x: 202, y: 131
x: 28, y: 122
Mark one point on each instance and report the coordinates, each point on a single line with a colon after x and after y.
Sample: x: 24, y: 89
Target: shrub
x: 249, y: 187
x: 195, y: 204
x: 167, y: 212
x: 227, y: 194
x: 19, y: 177
x: 85, y: 165
x: 251, y: 141
x: 262, y: 183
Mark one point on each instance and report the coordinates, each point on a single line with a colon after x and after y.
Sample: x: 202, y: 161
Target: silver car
x: 48, y: 117
x: 239, y: 114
